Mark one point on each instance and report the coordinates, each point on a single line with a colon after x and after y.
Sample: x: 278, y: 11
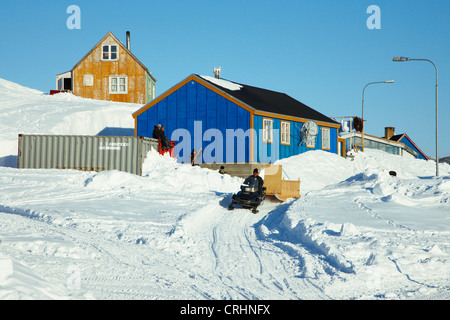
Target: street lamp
x: 404, y: 59
x: 362, y: 119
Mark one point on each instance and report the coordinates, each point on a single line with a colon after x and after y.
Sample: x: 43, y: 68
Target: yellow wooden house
x: 109, y: 71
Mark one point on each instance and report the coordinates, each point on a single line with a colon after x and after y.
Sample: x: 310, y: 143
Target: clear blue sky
x: 320, y: 52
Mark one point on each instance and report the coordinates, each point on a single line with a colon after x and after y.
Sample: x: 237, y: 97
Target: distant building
x: 272, y: 124
x: 109, y: 71
x: 401, y: 145
x: 353, y: 142
x: 407, y: 141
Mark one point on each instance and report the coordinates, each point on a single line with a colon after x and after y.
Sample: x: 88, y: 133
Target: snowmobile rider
x: 222, y: 170
x: 260, y: 181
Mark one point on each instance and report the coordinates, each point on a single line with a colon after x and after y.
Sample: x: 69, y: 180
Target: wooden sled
x: 277, y: 186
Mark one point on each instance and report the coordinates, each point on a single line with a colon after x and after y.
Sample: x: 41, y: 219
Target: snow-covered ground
x: 355, y: 233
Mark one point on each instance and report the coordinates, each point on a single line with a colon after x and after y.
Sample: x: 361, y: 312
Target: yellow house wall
x: 102, y: 70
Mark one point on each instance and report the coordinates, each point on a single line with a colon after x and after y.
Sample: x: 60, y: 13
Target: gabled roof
x: 267, y: 101
x: 256, y: 100
x: 400, y: 137
x: 110, y: 34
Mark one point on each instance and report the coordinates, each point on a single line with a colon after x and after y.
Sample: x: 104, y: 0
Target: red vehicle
x: 171, y: 151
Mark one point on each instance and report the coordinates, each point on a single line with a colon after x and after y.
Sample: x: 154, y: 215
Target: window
x: 267, y: 130
x: 88, y: 80
x: 311, y: 141
x: 326, y: 138
x: 109, y: 52
x: 118, y: 85
x: 151, y: 90
x: 285, y: 133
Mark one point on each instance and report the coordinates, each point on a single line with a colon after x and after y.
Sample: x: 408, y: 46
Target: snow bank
x: 164, y: 174
x: 364, y: 222
x: 15, y: 90
x: 178, y: 177
x: 315, y: 169
x: 28, y: 111
x: 355, y: 233
x: 19, y: 282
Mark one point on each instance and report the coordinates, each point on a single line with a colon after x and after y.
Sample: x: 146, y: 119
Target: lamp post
x: 404, y: 59
x: 362, y: 119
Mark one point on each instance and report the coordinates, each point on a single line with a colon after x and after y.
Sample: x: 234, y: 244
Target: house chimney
x: 128, y: 41
x: 216, y: 72
x: 389, y: 132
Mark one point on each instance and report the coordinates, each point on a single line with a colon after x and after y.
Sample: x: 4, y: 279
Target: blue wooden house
x: 235, y: 123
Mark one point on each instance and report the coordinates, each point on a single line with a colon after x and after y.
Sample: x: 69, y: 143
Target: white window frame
x: 326, y: 139
x: 267, y: 130
x: 110, y: 52
x: 115, y: 85
x: 285, y: 133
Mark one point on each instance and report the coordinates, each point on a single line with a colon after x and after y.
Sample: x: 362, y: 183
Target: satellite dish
x: 308, y: 133
x: 310, y: 128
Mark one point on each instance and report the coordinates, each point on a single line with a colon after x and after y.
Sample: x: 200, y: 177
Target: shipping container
x: 86, y: 153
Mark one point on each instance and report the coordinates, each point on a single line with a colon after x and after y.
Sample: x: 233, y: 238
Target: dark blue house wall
x: 196, y: 116
x: 194, y: 106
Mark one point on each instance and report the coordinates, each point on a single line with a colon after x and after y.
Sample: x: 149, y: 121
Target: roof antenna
x: 217, y: 72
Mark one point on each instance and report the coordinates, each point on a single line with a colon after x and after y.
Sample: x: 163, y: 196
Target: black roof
x: 272, y: 101
x: 396, y: 137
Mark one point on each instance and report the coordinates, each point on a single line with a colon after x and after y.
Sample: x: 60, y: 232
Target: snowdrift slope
x: 356, y: 232
x: 29, y: 111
